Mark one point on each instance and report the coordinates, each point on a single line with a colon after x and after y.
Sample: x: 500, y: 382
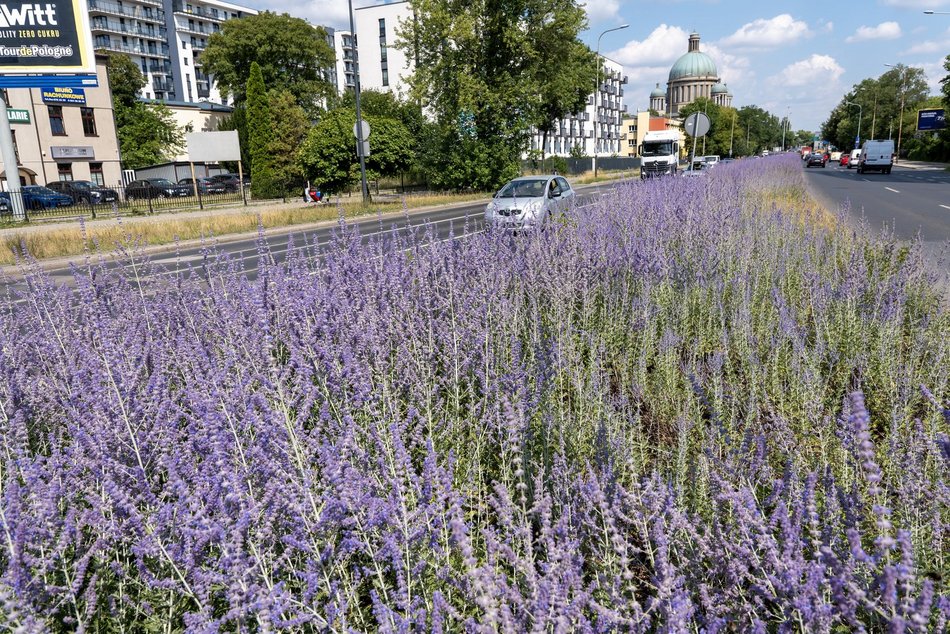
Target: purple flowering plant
x: 691, y: 406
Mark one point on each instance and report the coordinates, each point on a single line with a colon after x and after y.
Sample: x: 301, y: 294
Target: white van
x: 711, y: 161
x: 855, y: 156
x: 876, y: 156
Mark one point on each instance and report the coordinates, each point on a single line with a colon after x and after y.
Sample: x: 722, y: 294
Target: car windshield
x: 657, y: 148
x: 161, y: 182
x: 529, y: 188
x: 82, y: 184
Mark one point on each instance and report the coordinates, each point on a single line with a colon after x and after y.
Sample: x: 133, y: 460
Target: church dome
x: 658, y: 92
x: 719, y: 89
x: 693, y: 63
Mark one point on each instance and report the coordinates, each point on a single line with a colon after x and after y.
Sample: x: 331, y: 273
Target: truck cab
x: 659, y: 153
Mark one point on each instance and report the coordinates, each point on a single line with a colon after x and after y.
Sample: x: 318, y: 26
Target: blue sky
x: 794, y: 57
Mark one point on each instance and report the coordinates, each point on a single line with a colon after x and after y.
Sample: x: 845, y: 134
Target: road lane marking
x: 891, y: 189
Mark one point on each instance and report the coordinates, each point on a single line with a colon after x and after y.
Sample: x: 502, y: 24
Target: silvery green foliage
x: 683, y: 409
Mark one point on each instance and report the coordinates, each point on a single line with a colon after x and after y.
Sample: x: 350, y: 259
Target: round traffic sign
x: 365, y: 130
x: 696, y: 124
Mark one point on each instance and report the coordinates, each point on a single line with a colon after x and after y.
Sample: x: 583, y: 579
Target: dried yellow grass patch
x: 59, y: 240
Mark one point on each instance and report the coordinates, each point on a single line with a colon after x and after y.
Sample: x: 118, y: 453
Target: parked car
x: 835, y: 157
x: 155, y: 188
x: 845, y: 160
x: 85, y: 192
x: 206, y: 185
x: 698, y: 168
x: 36, y: 197
x: 815, y: 159
x: 855, y: 156
x: 529, y: 202
x: 232, y: 182
x: 711, y: 160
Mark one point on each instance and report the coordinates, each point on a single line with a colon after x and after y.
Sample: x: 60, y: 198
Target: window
x: 88, y: 121
x: 56, y: 124
x: 65, y: 171
x: 185, y: 60
x: 385, y: 78
x: 382, y: 27
x: 95, y: 174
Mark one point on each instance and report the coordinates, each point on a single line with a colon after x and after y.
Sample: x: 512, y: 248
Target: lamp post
x: 732, y: 134
x: 857, y: 140
x: 900, y: 121
x: 359, y: 118
x: 788, y: 111
x: 597, y: 91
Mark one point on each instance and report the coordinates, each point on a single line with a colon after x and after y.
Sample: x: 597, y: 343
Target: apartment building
x: 65, y: 134
x: 385, y: 68
x: 165, y: 39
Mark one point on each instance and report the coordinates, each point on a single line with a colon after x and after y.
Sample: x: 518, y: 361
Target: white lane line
x: 945, y: 206
x: 891, y: 189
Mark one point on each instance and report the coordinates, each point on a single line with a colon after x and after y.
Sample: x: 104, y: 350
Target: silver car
x: 529, y: 202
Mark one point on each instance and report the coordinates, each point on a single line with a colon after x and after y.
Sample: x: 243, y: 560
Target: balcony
x: 111, y: 45
x: 198, y: 29
x: 201, y: 12
x: 204, y: 93
x: 198, y: 46
x: 161, y: 85
x: 139, y: 13
x: 160, y: 69
x: 623, y: 80
x: 111, y: 26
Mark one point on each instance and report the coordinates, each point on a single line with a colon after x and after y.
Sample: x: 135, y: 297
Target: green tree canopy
x: 260, y: 134
x: 484, y: 71
x: 291, y: 53
x: 147, y: 133
x: 289, y: 127
x: 328, y: 156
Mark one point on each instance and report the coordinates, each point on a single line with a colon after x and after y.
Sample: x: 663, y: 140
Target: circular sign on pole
x: 696, y: 124
x: 365, y: 129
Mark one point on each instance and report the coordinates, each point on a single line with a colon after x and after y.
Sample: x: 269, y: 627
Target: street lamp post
x: 788, y: 111
x: 359, y: 117
x: 597, y: 91
x: 857, y: 140
x: 732, y: 134
x: 900, y: 121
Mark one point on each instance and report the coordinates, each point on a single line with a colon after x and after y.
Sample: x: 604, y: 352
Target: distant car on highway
x: 815, y: 159
x: 845, y: 160
x: 529, y: 202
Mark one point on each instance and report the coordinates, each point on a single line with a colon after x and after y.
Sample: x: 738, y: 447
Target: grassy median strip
x: 64, y: 240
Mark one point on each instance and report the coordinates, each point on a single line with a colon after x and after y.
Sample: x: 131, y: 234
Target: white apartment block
x: 385, y: 68
x: 165, y: 39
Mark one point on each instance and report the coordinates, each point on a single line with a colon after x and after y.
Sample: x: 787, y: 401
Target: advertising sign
x: 211, y: 147
x: 18, y: 116
x: 62, y: 94
x: 52, y: 36
x: 932, y: 119
x: 72, y: 152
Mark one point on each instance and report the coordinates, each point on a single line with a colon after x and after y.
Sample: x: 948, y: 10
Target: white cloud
x: 763, y: 33
x: 601, y: 10
x: 928, y: 46
x: 664, y: 44
x: 883, y: 31
x: 332, y: 13
x: 818, y: 71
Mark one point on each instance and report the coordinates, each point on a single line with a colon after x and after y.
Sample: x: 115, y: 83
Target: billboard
x: 931, y: 119
x: 45, y: 38
x: 211, y: 147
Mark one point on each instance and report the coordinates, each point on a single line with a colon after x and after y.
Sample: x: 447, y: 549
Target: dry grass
x: 64, y: 240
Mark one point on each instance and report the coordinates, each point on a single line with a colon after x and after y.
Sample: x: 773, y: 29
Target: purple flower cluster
x: 685, y: 408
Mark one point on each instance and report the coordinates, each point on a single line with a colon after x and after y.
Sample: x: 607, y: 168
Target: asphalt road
x: 461, y: 220
x: 908, y: 203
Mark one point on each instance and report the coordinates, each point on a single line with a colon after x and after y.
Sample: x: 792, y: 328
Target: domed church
x: 693, y: 75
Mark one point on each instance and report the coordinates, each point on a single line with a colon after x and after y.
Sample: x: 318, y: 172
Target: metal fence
x: 117, y: 200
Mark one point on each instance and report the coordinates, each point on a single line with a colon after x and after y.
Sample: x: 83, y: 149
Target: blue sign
x: 857, y: 141
x: 48, y: 81
x: 64, y: 94
x: 932, y: 119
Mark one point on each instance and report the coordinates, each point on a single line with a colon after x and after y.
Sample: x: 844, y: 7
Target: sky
x: 794, y: 58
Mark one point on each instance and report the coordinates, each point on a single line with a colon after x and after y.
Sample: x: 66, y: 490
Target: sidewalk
x: 922, y: 165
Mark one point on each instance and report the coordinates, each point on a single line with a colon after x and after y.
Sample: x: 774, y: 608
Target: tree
x: 259, y: 135
x: 482, y: 71
x: 147, y: 133
x: 291, y: 53
x: 328, y: 156
x: 289, y: 127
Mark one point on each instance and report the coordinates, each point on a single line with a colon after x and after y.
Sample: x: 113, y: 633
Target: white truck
x: 876, y: 156
x: 659, y: 153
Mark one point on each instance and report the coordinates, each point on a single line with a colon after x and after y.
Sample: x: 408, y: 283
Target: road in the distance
x: 443, y: 222
x: 907, y: 203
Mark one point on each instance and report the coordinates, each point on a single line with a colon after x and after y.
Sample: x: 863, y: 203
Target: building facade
x: 694, y: 75
x: 63, y: 134
x: 165, y: 39
x: 596, y: 129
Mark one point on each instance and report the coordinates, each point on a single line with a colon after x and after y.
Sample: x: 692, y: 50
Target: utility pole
x: 900, y: 122
x: 733, y: 132
x: 359, y: 116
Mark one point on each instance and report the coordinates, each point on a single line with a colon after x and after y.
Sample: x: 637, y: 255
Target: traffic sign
x: 696, y: 124
x: 357, y: 130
